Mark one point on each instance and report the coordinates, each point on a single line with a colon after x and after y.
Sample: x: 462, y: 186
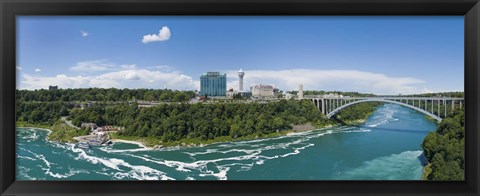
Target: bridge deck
x: 391, y: 98
x: 330, y: 105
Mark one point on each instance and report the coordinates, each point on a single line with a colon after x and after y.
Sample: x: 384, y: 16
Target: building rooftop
x: 213, y: 74
x: 263, y: 86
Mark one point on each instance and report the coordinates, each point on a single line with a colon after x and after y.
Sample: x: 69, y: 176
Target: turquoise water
x: 386, y: 147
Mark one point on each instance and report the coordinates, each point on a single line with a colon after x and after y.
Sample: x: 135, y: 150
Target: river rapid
x: 385, y: 147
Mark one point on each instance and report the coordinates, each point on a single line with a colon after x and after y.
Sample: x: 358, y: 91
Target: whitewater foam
x: 391, y: 167
x: 27, y: 158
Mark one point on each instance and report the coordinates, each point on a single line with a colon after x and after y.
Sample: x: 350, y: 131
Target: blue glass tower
x: 213, y: 84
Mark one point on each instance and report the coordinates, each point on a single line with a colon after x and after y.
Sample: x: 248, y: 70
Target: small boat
x: 84, y: 145
x: 106, y: 143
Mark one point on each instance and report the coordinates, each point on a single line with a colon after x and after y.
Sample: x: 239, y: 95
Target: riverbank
x: 141, y: 144
x: 58, y: 132
x: 155, y: 143
x: 357, y: 114
x: 358, y: 122
x: 431, y: 119
x: 444, y: 149
x: 427, y: 170
x: 23, y: 124
x: 64, y: 133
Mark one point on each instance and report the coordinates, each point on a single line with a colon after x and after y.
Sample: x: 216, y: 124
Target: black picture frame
x: 9, y: 9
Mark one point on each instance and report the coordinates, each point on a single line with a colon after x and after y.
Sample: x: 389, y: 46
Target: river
x: 385, y: 147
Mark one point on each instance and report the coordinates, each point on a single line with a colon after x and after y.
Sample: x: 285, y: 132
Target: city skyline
x: 380, y: 55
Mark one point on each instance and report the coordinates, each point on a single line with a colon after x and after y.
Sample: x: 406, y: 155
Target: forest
x: 357, y: 113
x: 172, y: 122
x: 100, y: 94
x: 46, y: 113
x: 180, y: 121
x: 444, y: 149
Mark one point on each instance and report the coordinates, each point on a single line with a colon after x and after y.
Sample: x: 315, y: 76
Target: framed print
x: 275, y: 97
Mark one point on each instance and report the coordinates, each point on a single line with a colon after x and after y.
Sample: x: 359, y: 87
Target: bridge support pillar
x: 322, y: 107
x: 326, y: 106
x: 445, y: 105
x: 425, y: 105
x: 331, y: 105
x: 438, y: 101
x: 453, y: 105
x: 432, y: 105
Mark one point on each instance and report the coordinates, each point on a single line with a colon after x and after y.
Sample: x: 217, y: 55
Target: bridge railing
x: 383, y: 98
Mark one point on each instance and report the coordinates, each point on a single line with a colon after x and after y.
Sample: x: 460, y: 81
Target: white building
x: 262, y: 91
x: 289, y: 96
x: 300, y: 91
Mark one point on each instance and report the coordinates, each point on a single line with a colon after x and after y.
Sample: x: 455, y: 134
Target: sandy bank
x: 141, y: 144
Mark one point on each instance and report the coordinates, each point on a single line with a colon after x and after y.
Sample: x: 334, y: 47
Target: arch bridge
x: 435, y: 107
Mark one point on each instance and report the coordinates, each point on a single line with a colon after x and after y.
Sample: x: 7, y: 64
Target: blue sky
x: 371, y: 54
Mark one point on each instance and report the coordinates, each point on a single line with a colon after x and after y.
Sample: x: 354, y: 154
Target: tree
x: 150, y: 96
x: 444, y: 149
x: 179, y: 97
x: 64, y: 111
x: 165, y: 97
x: 36, y: 116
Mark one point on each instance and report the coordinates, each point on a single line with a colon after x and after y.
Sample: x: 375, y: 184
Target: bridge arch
x: 329, y: 115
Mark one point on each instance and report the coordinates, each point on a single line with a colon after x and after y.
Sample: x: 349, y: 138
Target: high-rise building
x: 213, y: 84
x: 52, y: 88
x: 300, y: 91
x: 240, y: 80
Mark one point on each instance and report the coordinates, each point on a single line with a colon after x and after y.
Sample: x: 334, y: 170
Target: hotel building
x: 213, y: 84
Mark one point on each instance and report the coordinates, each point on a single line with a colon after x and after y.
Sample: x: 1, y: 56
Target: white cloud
x: 131, y: 66
x: 341, y: 80
x: 425, y: 90
x: 99, y: 65
x: 19, y: 68
x: 84, y: 33
x: 129, y: 76
x: 38, y: 70
x: 38, y: 82
x: 139, y: 78
x: 96, y: 65
x: 166, y: 68
x: 132, y: 75
x: 163, y: 35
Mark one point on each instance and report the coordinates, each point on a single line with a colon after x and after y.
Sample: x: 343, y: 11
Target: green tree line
x: 440, y: 94
x: 172, y: 122
x: 42, y: 112
x: 100, y: 94
x: 180, y: 121
x: 444, y: 149
x: 356, y: 112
